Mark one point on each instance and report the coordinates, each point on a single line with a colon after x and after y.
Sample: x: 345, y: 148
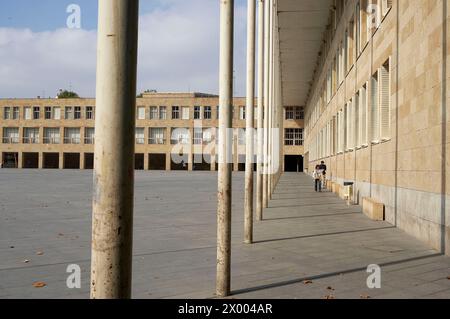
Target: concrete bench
x: 373, y: 209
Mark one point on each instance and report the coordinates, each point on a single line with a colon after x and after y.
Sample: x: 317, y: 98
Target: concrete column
x: 249, y: 150
x: 112, y: 224
x: 168, y: 161
x: 146, y: 160
x: 260, y: 121
x: 266, y: 100
x: 61, y: 160
x: 40, y: 160
x: 82, y: 159
x: 19, y: 159
x: 271, y: 104
x: 225, y: 149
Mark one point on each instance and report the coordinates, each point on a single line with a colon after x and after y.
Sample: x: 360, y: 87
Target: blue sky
x: 178, y: 46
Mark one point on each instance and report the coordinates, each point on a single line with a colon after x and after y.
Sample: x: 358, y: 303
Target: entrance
x: 10, y: 160
x: 293, y: 163
x: 51, y: 160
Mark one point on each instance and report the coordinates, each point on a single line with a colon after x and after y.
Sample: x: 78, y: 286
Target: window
x: 197, y: 113
x: 162, y: 113
x: 386, y: 6
x: 198, y: 136
x: 299, y: 113
x: 350, y: 125
x: 6, y: 113
x: 185, y: 112
x: 356, y: 121
x: 77, y: 114
x: 16, y: 112
x: 141, y: 113
x: 69, y: 113
x: 207, y: 112
x: 351, y: 43
x: 89, y: 135
x: 56, y: 113
x: 293, y: 136
x: 242, y: 112
x: 154, y: 114
x: 89, y: 113
x: 10, y: 135
x: 207, y: 135
x: 364, y: 24
x: 140, y: 139
x: 217, y: 112
x: 36, y: 113
x: 180, y: 136
x: 157, y: 135
x: 71, y: 135
x: 31, y: 135
x: 374, y: 110
x: 241, y: 136
x: 385, y: 102
x: 289, y: 113
x: 363, y: 114
x: 51, y: 135
x: 48, y: 113
x: 175, y: 112
x: 27, y: 112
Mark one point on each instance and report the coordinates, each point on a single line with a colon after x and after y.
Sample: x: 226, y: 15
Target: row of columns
x: 268, y: 120
x: 113, y: 189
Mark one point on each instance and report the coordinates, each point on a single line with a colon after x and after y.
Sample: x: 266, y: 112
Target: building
x: 174, y: 131
x: 377, y: 110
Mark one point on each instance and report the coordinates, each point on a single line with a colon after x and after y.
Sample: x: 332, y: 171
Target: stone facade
x: 407, y: 170
x: 78, y: 152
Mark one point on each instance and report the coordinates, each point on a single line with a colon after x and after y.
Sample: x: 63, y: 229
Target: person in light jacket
x: 317, y: 175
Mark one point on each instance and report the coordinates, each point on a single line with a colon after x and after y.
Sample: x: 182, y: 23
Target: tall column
x: 266, y: 100
x: 225, y: 149
x: 249, y: 150
x: 112, y: 224
x: 260, y: 121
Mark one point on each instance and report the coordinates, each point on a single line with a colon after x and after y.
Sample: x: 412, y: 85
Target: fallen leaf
x: 39, y: 284
x: 39, y: 253
x: 26, y: 261
x: 307, y: 282
x: 329, y: 297
x: 365, y: 297
x: 330, y: 288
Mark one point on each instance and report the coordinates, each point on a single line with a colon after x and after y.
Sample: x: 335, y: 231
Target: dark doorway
x: 241, y: 163
x: 88, y: 160
x: 51, y: 160
x: 10, y: 160
x: 202, y: 162
x: 157, y: 162
x: 71, y: 161
x: 30, y: 160
x: 293, y: 163
x: 139, y: 162
x: 179, y: 162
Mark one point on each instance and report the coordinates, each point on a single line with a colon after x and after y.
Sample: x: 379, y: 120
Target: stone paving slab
x: 304, y: 236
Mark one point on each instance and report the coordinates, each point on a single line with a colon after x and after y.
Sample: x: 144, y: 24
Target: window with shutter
x: 356, y: 120
x: 374, y: 110
x: 385, y: 97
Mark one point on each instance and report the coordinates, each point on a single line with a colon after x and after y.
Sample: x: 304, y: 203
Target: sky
x: 178, y: 47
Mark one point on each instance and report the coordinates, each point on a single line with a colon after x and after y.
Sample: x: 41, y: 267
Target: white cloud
x: 178, y: 50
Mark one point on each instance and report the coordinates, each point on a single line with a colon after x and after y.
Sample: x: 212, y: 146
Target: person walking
x: 323, y: 168
x: 317, y: 175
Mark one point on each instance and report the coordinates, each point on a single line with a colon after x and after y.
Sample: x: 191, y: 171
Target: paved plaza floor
x: 310, y: 245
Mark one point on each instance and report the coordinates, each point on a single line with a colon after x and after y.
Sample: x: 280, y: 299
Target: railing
x: 155, y: 141
x: 89, y: 140
x: 31, y: 140
x: 52, y: 140
x: 72, y: 140
x: 140, y: 140
x: 10, y: 140
x: 180, y: 140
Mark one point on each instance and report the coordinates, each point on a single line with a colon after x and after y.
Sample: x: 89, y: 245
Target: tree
x: 66, y: 94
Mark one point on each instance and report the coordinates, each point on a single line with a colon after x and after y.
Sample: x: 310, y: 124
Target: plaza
x: 309, y: 245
